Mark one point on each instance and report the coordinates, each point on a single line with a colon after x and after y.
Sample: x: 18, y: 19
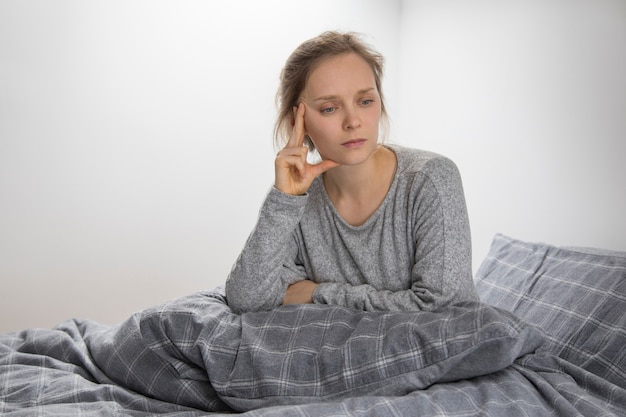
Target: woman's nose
x: 352, y: 120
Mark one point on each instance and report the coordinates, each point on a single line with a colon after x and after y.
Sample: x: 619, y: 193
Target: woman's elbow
x: 243, y: 300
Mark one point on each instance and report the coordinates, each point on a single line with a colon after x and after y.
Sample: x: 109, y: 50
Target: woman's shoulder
x: 412, y: 161
x: 425, y: 175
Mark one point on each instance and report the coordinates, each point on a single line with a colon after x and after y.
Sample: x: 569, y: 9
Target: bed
x: 547, y: 338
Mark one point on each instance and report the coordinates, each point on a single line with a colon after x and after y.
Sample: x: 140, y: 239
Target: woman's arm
x: 266, y: 267
x: 267, y: 264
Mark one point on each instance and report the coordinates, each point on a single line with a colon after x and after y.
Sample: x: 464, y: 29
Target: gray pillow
x: 577, y: 296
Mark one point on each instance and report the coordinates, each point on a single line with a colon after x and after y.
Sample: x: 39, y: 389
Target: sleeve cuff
x: 324, y: 292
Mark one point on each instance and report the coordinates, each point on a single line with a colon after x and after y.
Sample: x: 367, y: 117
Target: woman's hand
x: 300, y: 292
x: 294, y: 174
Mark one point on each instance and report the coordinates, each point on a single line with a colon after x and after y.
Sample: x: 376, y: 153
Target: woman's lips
x: 355, y: 143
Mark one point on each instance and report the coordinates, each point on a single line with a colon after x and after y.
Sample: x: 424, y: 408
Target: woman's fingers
x: 290, y: 167
x: 294, y: 162
x: 323, y: 166
x: 297, y: 134
x: 293, y: 173
x: 291, y: 153
x: 300, y: 292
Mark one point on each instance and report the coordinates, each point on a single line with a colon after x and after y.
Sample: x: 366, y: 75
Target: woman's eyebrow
x: 334, y: 97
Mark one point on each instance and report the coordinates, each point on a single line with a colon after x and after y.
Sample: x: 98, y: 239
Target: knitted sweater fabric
x: 412, y: 253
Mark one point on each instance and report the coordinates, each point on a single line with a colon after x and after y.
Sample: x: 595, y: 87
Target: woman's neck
x: 357, y: 191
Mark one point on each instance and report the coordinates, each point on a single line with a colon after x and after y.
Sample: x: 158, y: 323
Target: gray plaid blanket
x: 194, y: 357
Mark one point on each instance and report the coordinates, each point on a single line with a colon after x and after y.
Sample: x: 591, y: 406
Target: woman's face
x: 343, y: 109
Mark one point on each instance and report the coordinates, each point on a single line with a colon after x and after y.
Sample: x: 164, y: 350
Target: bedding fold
x: 193, y: 355
x: 195, y: 352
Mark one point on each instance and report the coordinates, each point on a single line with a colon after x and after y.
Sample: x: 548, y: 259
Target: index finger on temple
x: 297, y: 134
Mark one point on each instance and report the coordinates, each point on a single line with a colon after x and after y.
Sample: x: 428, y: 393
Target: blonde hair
x: 303, y: 61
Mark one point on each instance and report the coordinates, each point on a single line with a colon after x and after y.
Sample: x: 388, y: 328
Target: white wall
x: 135, y: 136
x: 529, y: 98
x: 136, y: 143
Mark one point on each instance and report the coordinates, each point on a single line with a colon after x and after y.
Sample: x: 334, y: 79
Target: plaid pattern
x: 578, y: 297
x: 187, y: 356
x: 299, y: 354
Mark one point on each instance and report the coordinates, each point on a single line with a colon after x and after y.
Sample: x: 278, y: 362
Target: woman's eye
x: 367, y: 102
x: 328, y: 110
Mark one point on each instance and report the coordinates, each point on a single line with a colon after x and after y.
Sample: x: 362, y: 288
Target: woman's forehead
x: 341, y: 74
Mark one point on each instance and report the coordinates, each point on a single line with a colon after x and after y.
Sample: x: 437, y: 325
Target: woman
x: 370, y: 227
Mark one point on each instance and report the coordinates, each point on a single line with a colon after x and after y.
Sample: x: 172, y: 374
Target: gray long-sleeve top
x: 413, y: 253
